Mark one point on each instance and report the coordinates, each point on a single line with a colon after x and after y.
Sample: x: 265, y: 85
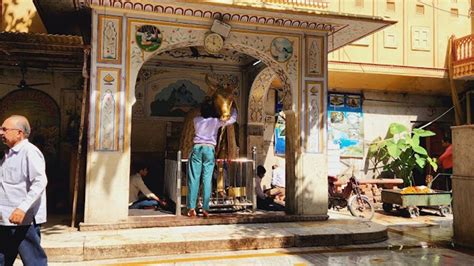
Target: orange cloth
x: 446, y: 159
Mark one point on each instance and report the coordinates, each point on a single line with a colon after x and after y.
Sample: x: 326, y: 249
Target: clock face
x: 213, y: 43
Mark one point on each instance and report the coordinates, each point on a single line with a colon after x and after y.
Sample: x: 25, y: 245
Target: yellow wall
x: 20, y: 16
x: 395, y: 45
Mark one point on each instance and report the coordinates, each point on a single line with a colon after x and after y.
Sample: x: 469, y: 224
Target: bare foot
x: 191, y: 213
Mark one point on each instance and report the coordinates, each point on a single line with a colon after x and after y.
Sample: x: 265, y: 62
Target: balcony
x: 463, y: 58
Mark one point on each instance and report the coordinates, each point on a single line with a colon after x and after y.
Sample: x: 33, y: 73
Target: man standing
x: 22, y: 195
x: 446, y: 160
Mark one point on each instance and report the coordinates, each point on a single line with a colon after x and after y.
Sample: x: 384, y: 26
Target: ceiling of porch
x: 41, y: 50
x: 198, y: 57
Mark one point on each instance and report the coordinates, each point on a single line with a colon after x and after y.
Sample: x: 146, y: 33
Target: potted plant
x: 400, y: 152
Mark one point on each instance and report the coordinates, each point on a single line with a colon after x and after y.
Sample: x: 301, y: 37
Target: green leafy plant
x: 400, y: 152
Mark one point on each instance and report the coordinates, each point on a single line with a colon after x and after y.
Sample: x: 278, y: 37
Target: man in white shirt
x: 264, y: 201
x: 278, y: 183
x: 136, y: 186
x: 22, y: 195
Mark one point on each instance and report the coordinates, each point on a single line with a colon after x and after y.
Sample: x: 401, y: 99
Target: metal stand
x: 236, y: 192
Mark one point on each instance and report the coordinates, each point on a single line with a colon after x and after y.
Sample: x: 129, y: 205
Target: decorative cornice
x: 226, y: 16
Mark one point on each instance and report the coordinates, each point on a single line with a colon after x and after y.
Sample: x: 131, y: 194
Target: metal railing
x: 293, y: 3
x: 233, y: 183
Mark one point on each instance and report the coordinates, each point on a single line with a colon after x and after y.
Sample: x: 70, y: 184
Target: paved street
x: 425, y: 240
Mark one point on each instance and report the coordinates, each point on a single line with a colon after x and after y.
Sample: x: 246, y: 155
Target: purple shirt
x: 206, y: 128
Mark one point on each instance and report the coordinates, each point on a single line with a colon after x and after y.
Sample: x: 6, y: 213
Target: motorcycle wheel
x: 361, y: 207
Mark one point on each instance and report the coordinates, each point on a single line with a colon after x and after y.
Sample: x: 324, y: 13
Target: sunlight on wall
x: 20, y: 16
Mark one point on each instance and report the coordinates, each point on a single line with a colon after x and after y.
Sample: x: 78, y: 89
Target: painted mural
x: 279, y: 129
x: 176, y: 99
x: 313, y: 97
x: 345, y: 123
x: 42, y: 113
x: 108, y: 114
x: 110, y: 38
x: 149, y: 38
x: 314, y: 57
x: 281, y: 49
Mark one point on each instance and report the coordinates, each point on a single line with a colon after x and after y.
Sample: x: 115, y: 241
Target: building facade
x: 401, y: 72
x: 339, y: 87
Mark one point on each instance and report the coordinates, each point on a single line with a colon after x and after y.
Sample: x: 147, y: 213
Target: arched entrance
x: 44, y: 116
x: 167, y: 87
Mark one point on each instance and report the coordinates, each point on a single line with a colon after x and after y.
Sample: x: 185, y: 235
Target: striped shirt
x: 23, y: 183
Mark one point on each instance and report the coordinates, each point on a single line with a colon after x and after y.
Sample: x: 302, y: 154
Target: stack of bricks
x: 374, y: 193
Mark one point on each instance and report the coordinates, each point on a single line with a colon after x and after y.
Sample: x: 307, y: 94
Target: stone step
x: 128, y: 243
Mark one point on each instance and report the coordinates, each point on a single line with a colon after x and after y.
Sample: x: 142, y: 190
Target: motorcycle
x: 351, y: 197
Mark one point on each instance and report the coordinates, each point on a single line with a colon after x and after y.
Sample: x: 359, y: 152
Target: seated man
x: 136, y: 186
x: 264, y: 201
x: 278, y: 183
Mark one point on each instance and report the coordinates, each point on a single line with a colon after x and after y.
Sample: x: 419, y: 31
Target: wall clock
x: 213, y: 43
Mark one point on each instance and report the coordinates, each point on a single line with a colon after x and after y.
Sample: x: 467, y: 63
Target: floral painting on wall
x: 110, y: 39
x: 315, y: 57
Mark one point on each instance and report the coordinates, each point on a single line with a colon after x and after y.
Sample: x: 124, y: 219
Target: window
x: 389, y: 40
x: 359, y: 3
x: 454, y: 12
x: 420, y: 9
x: 420, y: 38
x: 390, y: 6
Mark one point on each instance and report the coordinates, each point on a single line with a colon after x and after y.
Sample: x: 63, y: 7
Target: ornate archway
x: 255, y: 45
x: 115, y: 87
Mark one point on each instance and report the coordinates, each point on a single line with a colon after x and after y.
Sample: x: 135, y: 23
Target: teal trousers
x: 201, y: 164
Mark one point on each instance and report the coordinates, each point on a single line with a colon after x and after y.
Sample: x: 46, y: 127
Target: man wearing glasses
x: 22, y: 195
